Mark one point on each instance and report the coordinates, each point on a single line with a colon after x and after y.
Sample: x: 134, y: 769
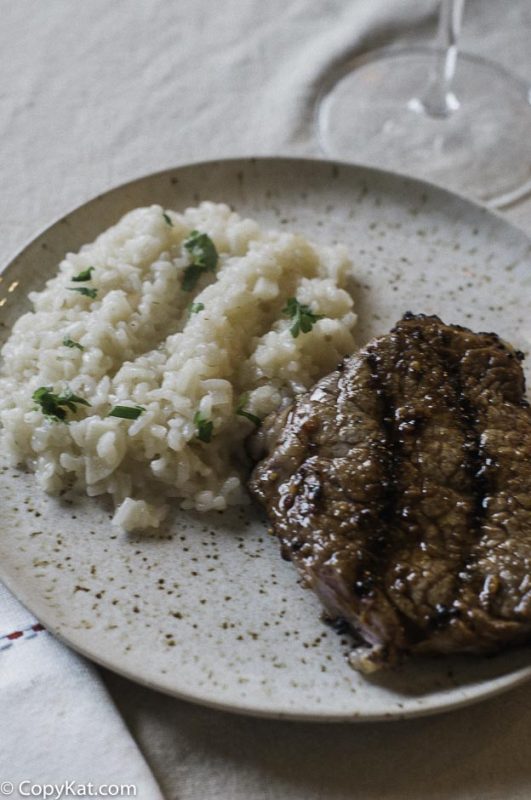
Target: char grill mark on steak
x: 392, y: 441
x: 492, y: 594
x: 507, y: 442
x: 424, y: 562
x: 474, y: 454
x: 400, y: 487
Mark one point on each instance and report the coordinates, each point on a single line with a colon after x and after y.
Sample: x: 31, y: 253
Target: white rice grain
x: 142, y: 346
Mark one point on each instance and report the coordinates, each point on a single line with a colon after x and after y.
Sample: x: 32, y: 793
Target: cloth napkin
x: 58, y: 723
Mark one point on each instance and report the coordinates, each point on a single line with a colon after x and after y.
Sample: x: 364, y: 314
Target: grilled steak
x: 400, y: 487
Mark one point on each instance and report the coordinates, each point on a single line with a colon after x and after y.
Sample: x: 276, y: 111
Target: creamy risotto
x: 156, y: 350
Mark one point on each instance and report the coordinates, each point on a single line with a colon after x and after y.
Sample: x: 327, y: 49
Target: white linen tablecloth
x: 58, y: 724
x: 93, y: 94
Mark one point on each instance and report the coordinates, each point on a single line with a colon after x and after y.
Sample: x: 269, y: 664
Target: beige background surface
x: 96, y: 93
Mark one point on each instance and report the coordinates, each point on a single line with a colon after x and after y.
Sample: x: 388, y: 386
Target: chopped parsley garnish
x: 84, y: 276
x: 167, y: 219
x: 204, y: 427
x: 70, y: 343
x: 303, y: 317
x: 190, y: 277
x: 240, y: 410
x: 84, y: 290
x: 126, y: 412
x: 203, y: 258
x: 194, y: 308
x: 54, y: 406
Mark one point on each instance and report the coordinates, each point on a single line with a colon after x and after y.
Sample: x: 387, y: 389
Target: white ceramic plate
x: 210, y: 612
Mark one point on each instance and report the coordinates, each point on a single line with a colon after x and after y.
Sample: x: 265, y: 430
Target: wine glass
x: 459, y: 120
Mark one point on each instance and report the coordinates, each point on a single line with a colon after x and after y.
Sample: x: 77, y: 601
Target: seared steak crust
x: 400, y: 487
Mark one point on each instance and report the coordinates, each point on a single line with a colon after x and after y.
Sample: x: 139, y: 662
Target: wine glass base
x: 372, y: 112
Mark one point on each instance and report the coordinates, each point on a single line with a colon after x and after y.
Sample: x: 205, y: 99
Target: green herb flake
x: 240, y: 411
x: 190, y: 277
x: 303, y: 317
x: 204, y: 427
x: 54, y: 405
x: 84, y: 276
x: 85, y: 291
x: 70, y: 343
x: 203, y: 258
x: 195, y: 308
x: 126, y: 412
x: 167, y: 219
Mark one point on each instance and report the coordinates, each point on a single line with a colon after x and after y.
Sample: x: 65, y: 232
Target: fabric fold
x: 59, y: 724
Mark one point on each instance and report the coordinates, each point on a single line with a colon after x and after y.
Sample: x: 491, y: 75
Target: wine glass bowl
x: 459, y: 120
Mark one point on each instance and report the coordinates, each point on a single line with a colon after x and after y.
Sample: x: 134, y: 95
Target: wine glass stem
x: 438, y: 99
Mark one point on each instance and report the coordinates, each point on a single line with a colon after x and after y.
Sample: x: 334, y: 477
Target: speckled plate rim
x: 250, y: 160
x: 490, y: 688
x: 482, y: 691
